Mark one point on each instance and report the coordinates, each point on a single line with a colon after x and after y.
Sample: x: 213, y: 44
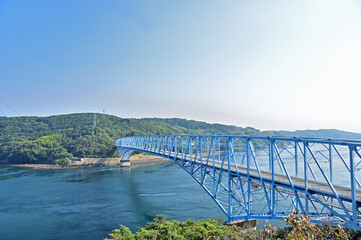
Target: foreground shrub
x: 162, y: 229
x: 299, y: 227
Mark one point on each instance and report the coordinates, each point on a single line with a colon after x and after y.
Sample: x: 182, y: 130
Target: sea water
x: 90, y: 203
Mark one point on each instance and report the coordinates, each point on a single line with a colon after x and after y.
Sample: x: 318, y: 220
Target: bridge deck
x: 299, y: 183
x: 313, y: 186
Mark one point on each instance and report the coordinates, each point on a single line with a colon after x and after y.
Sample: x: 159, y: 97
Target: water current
x: 89, y: 203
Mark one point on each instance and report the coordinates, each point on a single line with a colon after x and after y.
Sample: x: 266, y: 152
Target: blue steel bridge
x: 254, y: 177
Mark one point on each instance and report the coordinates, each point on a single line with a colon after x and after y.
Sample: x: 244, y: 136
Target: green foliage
x: 63, y: 161
x: 299, y: 227
x: 44, y: 149
x: 122, y: 233
x: 55, y: 139
x: 164, y: 230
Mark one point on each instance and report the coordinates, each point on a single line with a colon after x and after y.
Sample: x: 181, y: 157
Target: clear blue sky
x: 266, y: 64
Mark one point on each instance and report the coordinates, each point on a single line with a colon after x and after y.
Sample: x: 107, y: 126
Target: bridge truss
x: 267, y: 177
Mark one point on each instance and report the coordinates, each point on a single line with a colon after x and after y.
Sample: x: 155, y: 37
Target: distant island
x: 56, y: 139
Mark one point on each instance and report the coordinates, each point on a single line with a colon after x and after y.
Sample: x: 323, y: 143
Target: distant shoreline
x: 133, y: 160
x: 48, y: 166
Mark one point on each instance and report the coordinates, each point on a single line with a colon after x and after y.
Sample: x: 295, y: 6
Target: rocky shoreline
x: 133, y: 160
x: 50, y: 166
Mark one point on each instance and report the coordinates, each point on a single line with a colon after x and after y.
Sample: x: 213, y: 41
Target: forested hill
x: 55, y: 139
x: 206, y: 128
x: 220, y: 129
x: 322, y: 133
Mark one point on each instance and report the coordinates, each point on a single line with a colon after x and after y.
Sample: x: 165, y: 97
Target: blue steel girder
x: 267, y: 177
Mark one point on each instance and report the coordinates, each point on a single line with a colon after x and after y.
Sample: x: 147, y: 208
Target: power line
x: 3, y: 113
x: 9, y: 106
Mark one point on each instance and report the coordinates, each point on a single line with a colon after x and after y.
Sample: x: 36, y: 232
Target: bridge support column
x: 305, y: 144
x: 125, y: 153
x: 353, y: 187
x: 248, y: 182
x: 227, y: 156
x: 273, y: 190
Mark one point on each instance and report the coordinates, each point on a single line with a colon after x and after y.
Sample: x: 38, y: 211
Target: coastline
x: 48, y: 166
x: 133, y: 160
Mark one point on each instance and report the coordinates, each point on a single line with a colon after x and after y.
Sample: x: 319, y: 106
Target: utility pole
x: 103, y: 114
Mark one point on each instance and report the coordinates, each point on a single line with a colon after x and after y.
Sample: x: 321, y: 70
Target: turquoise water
x: 89, y: 203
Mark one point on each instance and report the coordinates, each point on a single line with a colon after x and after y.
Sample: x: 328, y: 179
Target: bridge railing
x: 319, y: 177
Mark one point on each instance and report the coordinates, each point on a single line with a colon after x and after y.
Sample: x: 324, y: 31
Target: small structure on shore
x: 76, y: 160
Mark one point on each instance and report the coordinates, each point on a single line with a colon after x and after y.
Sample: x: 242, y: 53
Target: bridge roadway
x: 280, y: 180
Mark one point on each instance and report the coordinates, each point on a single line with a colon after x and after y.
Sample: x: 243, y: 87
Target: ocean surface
x: 90, y: 203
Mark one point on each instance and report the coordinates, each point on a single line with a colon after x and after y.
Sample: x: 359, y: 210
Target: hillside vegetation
x: 55, y: 139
